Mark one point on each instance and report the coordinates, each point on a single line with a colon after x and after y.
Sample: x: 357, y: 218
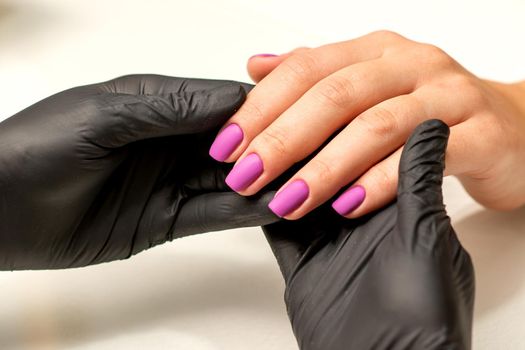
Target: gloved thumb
x: 214, y: 211
x: 221, y: 211
x: 421, y: 215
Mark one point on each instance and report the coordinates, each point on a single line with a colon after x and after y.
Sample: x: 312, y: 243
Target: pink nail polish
x: 264, y: 55
x: 226, y: 142
x: 290, y: 198
x: 350, y: 200
x: 245, y: 172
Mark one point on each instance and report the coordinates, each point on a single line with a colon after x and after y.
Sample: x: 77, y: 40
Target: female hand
x: 369, y: 94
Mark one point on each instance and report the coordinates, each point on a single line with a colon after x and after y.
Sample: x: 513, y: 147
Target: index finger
x: 286, y: 84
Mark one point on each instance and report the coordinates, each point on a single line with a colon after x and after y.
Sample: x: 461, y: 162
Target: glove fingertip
x: 208, y: 109
x: 423, y: 159
x: 422, y: 217
x: 232, y: 95
x: 247, y: 87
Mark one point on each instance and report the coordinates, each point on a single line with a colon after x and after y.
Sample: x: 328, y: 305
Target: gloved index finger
x: 153, y: 84
x: 420, y: 200
x: 130, y: 118
x: 220, y: 211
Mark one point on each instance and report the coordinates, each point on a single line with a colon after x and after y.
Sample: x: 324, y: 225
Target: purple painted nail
x: 350, y: 200
x: 264, y: 55
x: 290, y: 198
x: 245, y: 172
x: 226, y: 142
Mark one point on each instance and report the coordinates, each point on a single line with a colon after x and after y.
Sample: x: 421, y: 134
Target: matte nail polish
x: 289, y: 198
x: 245, y: 172
x: 350, y: 200
x: 226, y: 142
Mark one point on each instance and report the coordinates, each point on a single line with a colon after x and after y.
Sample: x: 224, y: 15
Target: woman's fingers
x: 373, y: 190
x: 379, y: 184
x: 325, y: 108
x: 367, y: 140
x: 286, y: 84
x: 304, y: 99
x: 260, y: 65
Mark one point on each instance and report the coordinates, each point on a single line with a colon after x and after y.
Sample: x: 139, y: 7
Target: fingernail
x: 226, y: 142
x: 245, y: 172
x: 264, y: 55
x: 350, y: 200
x: 289, y: 198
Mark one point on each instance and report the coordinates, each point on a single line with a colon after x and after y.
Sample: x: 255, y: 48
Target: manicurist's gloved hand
x: 102, y: 172
x: 395, y: 279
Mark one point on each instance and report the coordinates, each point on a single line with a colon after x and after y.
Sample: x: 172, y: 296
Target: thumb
x: 222, y: 210
x: 128, y: 118
x: 421, y: 214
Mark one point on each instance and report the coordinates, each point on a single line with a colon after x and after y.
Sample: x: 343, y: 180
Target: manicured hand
x: 351, y: 106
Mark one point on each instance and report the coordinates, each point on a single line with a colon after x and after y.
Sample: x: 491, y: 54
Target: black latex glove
x: 102, y: 172
x: 396, y: 279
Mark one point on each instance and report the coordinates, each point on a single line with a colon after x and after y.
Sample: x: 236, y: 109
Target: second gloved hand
x: 102, y: 172
x: 398, y: 279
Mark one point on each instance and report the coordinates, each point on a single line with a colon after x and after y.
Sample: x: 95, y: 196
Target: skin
x: 369, y: 93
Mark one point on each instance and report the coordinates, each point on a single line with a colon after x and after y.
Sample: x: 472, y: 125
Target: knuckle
x: 432, y: 50
x: 382, y: 178
x: 474, y: 95
x: 250, y: 112
x: 336, y: 91
x: 110, y: 110
x: 323, y: 170
x: 390, y: 42
x: 274, y: 139
x: 385, y: 35
x: 302, y: 66
x: 379, y: 121
x: 300, y: 49
x: 434, y: 56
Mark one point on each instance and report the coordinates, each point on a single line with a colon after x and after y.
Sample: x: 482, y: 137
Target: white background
x: 223, y: 290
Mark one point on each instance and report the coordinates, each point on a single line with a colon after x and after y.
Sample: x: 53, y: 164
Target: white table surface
x: 223, y: 290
